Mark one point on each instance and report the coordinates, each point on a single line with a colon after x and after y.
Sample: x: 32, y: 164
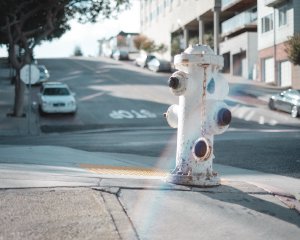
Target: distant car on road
x: 44, y: 74
x: 287, y: 101
x: 120, y: 55
x: 56, y: 97
x: 143, y: 59
x: 159, y: 65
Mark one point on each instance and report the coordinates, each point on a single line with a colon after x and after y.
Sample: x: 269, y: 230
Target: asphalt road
x: 121, y: 110
x: 109, y: 94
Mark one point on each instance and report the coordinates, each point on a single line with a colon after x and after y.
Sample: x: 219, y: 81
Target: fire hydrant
x: 200, y: 114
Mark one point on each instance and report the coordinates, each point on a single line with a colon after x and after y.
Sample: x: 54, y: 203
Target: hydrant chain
x: 203, y: 105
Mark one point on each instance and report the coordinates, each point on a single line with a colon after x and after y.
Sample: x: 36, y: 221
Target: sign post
x: 29, y: 74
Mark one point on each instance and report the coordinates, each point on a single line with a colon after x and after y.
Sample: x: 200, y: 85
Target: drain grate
x: 129, y: 171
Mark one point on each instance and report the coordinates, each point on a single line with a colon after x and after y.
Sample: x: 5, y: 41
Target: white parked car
x: 56, y: 97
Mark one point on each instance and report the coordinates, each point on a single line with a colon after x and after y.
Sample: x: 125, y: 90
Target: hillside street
x: 97, y: 175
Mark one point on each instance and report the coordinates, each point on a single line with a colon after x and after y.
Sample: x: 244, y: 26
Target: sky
x: 86, y: 35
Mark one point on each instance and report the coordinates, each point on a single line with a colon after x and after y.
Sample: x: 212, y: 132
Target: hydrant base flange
x: 199, y: 181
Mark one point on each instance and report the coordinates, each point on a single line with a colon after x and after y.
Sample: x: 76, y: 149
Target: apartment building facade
x: 239, y: 37
x: 233, y: 28
x: 161, y: 20
x: 277, y: 21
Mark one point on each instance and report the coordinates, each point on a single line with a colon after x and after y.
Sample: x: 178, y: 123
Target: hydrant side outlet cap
x: 200, y: 149
x: 224, y: 117
x: 173, y: 82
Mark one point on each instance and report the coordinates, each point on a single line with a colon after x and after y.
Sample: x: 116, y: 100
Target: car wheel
x: 294, y: 112
x: 271, y: 104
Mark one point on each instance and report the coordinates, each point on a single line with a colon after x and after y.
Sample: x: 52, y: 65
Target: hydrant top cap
x: 197, y: 54
x: 199, y: 49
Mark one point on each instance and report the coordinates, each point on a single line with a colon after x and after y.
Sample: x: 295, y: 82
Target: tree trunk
x: 19, y: 96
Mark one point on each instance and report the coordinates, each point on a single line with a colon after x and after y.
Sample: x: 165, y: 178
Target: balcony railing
x: 274, y: 3
x: 238, y: 21
x: 225, y: 3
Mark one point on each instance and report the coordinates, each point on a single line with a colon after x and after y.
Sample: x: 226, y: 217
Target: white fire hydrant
x: 200, y: 115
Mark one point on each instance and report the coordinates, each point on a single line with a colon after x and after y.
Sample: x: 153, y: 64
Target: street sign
x: 30, y: 74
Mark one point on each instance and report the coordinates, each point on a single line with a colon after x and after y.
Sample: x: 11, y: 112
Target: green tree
x: 175, y: 46
x: 26, y: 23
x: 292, y: 48
x: 193, y: 41
x: 142, y: 42
x: 209, y: 40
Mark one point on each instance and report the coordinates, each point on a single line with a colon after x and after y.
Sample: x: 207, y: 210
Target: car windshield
x: 296, y: 92
x: 56, y: 92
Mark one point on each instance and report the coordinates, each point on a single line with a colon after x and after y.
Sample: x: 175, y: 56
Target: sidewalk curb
x: 292, y: 201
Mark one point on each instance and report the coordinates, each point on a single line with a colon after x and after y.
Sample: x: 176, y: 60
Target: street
x: 101, y: 173
x: 121, y: 110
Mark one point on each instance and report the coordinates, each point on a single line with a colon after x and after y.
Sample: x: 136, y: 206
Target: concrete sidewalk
x: 135, y: 209
x: 146, y: 209
x: 46, y: 198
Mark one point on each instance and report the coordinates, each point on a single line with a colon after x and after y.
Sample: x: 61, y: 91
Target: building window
x: 282, y: 16
x: 267, y: 23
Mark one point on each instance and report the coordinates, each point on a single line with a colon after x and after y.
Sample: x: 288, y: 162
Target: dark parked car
x: 287, y: 101
x: 159, y: 65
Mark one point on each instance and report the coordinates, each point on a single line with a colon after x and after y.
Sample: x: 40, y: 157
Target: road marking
x: 90, y: 97
x: 232, y: 129
x: 261, y: 120
x: 127, y: 171
x: 121, y: 114
x: 249, y: 116
x: 83, y: 65
x: 242, y: 112
x: 273, y: 122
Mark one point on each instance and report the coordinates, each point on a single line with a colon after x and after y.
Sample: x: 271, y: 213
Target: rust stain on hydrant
x: 200, y: 114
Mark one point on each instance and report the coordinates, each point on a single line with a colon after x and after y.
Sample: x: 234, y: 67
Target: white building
x: 241, y: 30
x: 207, y: 22
x: 122, y: 41
x: 239, y: 37
x: 163, y: 20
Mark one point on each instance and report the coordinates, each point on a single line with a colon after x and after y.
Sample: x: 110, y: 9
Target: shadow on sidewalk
x: 261, y: 203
